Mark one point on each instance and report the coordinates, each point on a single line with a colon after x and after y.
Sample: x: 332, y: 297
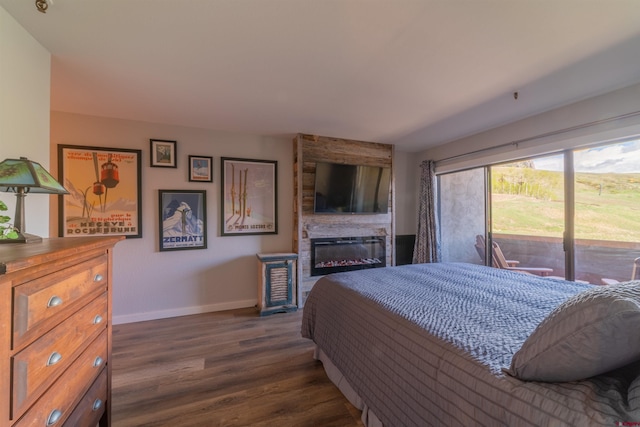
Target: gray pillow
x: 633, y: 396
x: 593, y: 332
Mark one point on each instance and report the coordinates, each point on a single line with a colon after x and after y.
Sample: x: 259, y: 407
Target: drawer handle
x: 54, y: 301
x: 97, y: 362
x: 54, y: 417
x: 97, y: 404
x: 54, y: 358
x: 97, y: 319
x: 98, y: 278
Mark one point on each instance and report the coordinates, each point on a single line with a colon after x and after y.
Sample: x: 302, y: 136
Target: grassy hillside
x: 530, y: 201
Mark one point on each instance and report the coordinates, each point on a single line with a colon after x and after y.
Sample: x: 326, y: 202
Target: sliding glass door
x: 575, y: 214
x: 528, y: 213
x: 607, y: 211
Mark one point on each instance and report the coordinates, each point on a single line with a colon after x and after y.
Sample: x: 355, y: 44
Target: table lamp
x: 23, y: 176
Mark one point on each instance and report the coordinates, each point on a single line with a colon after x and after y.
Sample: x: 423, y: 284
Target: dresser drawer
x: 44, y: 300
x: 59, y: 401
x: 38, y: 365
x: 92, y: 405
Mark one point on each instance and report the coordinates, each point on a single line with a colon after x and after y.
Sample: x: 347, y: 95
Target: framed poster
x: 105, y: 191
x: 183, y: 219
x: 163, y: 153
x: 249, y: 196
x: 200, y: 169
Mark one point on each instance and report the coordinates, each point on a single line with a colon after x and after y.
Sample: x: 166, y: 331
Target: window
x: 576, y: 212
x: 527, y: 212
x: 607, y: 211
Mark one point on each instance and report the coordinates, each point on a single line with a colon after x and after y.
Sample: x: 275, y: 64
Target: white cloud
x: 617, y: 158
x: 550, y: 163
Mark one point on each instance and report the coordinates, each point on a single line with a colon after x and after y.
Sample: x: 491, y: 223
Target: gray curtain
x: 427, y: 246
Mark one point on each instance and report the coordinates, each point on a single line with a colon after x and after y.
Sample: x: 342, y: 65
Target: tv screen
x: 351, y: 188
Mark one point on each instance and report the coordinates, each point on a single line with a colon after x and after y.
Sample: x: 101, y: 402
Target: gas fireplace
x: 337, y: 254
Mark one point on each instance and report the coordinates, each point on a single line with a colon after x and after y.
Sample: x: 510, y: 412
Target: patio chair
x: 635, y: 274
x: 480, y: 247
x: 500, y: 261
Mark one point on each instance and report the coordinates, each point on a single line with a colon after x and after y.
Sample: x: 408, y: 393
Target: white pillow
x: 593, y: 332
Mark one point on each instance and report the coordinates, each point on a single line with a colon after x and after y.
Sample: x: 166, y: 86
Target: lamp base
x: 23, y: 238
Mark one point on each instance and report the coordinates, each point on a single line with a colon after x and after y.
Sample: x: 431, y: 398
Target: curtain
x: 427, y: 246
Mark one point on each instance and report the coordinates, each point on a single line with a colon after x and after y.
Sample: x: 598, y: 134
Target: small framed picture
x: 163, y: 153
x: 200, y: 169
x: 183, y: 219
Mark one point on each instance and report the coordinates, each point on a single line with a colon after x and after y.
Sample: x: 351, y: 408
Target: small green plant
x: 7, y: 230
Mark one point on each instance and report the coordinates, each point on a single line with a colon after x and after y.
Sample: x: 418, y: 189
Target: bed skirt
x: 369, y: 418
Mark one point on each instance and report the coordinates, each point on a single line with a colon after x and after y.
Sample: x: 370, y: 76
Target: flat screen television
x: 351, y: 189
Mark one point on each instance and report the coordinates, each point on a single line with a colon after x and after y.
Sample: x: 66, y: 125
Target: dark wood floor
x: 229, y: 368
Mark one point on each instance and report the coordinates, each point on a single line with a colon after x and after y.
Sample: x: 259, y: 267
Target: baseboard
x: 182, y: 311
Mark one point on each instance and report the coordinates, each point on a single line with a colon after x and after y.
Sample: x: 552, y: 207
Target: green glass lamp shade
x: 24, y: 173
x: 22, y: 176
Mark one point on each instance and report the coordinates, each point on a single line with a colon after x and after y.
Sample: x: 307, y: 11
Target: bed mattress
x: 426, y: 344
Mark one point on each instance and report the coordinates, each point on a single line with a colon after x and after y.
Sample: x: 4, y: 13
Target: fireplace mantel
x: 317, y: 231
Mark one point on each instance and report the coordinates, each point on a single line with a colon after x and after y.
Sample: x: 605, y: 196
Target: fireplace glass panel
x: 333, y: 255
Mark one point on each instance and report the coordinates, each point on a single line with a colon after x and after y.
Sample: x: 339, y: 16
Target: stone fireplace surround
x: 310, y: 149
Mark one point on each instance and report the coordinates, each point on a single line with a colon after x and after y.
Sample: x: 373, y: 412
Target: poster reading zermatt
x: 104, y: 187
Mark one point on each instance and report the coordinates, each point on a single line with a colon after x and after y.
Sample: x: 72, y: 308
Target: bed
x: 462, y: 344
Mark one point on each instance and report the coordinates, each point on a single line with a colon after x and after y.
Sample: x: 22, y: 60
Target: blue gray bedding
x: 426, y: 344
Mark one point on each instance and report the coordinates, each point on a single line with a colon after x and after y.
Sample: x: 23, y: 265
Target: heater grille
x: 279, y: 279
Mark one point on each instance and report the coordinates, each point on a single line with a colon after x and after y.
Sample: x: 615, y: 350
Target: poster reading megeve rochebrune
x: 104, y: 191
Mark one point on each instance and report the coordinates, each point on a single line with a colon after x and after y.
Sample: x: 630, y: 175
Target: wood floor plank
x: 230, y: 368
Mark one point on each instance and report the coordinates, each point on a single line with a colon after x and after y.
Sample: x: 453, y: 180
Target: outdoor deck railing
x: 595, y: 259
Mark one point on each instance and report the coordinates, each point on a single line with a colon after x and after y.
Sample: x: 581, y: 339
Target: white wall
x: 24, y: 112
x: 582, y: 123
x: 149, y: 284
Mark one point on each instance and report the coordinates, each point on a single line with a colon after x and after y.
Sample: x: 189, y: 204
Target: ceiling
x: 415, y: 73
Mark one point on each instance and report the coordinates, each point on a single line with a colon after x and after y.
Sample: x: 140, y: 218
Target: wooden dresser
x: 55, y: 332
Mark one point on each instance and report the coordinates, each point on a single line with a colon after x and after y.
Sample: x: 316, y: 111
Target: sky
x: 617, y: 158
